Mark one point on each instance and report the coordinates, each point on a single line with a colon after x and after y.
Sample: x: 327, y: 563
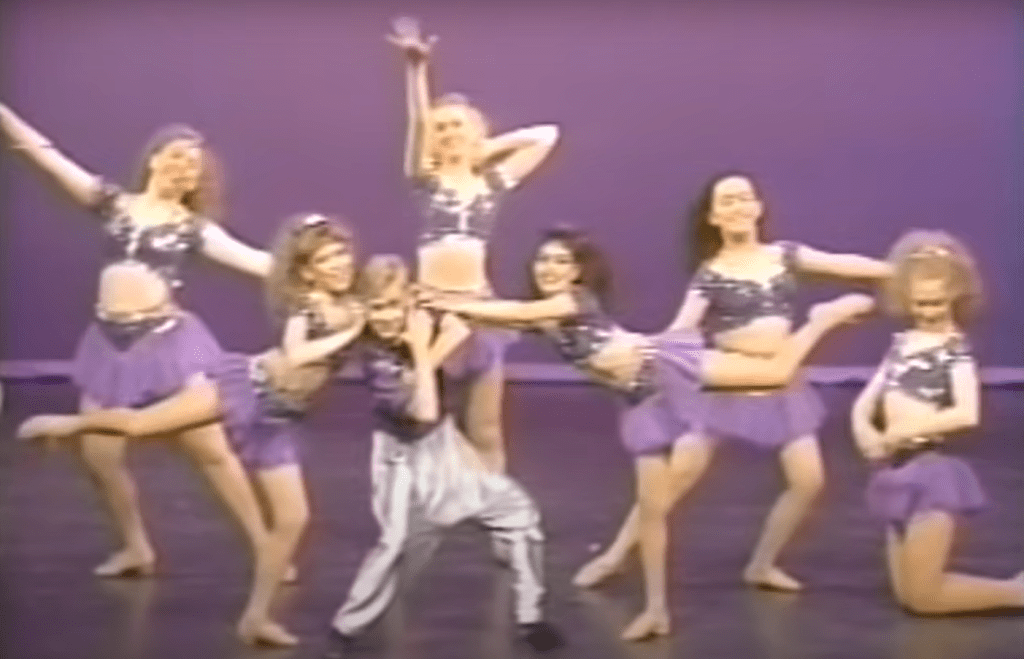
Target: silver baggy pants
x: 423, y: 486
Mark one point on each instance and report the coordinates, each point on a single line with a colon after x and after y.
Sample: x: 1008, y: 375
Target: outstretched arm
x: 511, y: 311
x: 82, y: 186
x: 847, y: 266
x: 299, y: 350
x: 417, y: 94
x: 222, y: 247
x: 517, y: 153
x: 961, y: 415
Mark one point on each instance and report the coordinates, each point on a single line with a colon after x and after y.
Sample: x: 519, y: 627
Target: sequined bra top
x: 444, y: 214
x: 317, y: 327
x: 733, y: 303
x: 582, y: 336
x: 925, y: 374
x: 162, y: 247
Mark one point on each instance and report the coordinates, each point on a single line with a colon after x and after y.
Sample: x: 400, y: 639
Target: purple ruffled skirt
x: 651, y: 423
x: 263, y: 437
x: 765, y: 420
x: 116, y: 369
x: 928, y: 481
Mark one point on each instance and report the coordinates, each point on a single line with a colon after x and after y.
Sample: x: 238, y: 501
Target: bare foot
x: 265, y: 633
x: 647, y: 625
x: 772, y: 579
x: 48, y: 426
x: 128, y: 564
x: 595, y: 571
x: 844, y: 308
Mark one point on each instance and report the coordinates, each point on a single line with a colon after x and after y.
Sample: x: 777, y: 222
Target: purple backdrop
x: 860, y: 118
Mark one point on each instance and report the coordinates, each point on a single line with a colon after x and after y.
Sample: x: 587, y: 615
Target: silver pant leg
x: 514, y: 523
x: 376, y: 581
x: 454, y: 486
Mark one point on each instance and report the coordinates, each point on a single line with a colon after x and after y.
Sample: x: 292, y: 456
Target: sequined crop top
x: 579, y: 338
x: 925, y: 374
x: 317, y: 327
x: 163, y: 247
x: 733, y: 303
x: 444, y: 214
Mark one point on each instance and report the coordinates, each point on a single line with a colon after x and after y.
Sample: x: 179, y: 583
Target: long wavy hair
x: 298, y: 239
x: 705, y: 239
x: 924, y: 254
x: 595, y: 272
x: 206, y: 199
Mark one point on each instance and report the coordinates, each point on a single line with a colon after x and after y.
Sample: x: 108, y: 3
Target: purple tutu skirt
x: 115, y: 371
x: 670, y: 408
x: 262, y: 437
x: 765, y: 420
x: 929, y: 481
x: 483, y: 350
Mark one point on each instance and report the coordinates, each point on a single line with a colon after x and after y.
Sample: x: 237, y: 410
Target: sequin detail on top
x: 163, y: 247
x: 580, y: 337
x: 317, y: 327
x: 444, y: 214
x: 733, y: 302
x: 925, y: 374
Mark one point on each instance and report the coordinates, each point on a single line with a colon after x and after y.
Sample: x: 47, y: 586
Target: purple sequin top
x: 444, y: 214
x: 733, y: 303
x: 925, y: 374
x: 162, y: 247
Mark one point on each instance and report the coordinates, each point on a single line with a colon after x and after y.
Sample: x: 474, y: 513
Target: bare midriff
x: 899, y: 406
x: 131, y: 290
x: 455, y: 263
x: 761, y: 337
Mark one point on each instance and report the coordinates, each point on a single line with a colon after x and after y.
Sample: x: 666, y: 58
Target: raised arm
x: 847, y: 266
x: 417, y: 94
x: 299, y: 350
x: 869, y: 440
x: 511, y: 311
x: 517, y: 153
x: 453, y: 331
x: 425, y: 405
x: 82, y: 186
x: 222, y: 247
x: 961, y: 415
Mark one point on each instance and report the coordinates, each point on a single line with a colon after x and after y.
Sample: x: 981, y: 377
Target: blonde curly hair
x: 925, y: 254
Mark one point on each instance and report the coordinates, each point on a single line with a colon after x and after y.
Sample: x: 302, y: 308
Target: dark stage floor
x: 564, y: 450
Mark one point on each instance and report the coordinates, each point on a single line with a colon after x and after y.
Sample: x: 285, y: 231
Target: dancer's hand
x: 419, y: 329
x: 431, y: 299
x: 407, y: 37
x: 871, y: 444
